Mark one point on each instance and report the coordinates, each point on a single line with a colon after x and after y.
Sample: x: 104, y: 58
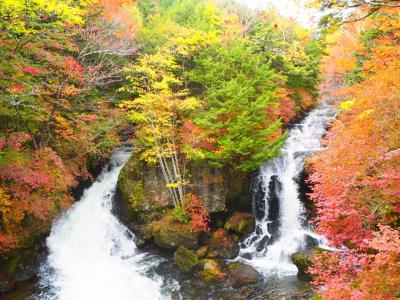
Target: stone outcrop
x: 240, y: 274
x: 222, y: 245
x: 143, y: 195
x: 170, y: 235
x: 302, y: 262
x: 185, y: 259
x: 242, y: 223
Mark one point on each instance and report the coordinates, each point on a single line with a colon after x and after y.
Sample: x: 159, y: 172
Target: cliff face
x: 144, y: 196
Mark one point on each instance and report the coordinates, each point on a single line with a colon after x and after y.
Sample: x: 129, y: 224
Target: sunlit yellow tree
x: 159, y: 111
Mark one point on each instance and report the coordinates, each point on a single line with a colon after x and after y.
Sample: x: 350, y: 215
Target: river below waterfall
x: 92, y: 256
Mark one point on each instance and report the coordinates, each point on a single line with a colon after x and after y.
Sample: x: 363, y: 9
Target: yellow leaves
x: 194, y: 41
x: 29, y: 17
x: 5, y: 201
x: 172, y: 185
x: 5, y: 204
x: 193, y: 152
x: 136, y: 117
x: 189, y: 104
x: 177, y: 184
x: 296, y: 52
x: 347, y: 105
x: 61, y: 121
x: 365, y: 114
x: 211, y: 12
x: 70, y: 90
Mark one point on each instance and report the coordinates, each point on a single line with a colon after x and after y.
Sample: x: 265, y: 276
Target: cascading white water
x: 92, y: 256
x: 270, y: 251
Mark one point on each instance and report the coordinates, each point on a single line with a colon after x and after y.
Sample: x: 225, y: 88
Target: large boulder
x: 170, y: 235
x: 302, y: 262
x: 240, y: 274
x: 185, y: 259
x: 221, y: 245
x: 242, y: 223
x: 144, y: 195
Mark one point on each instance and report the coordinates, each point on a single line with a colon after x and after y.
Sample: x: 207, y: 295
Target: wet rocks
x: 142, y: 193
x: 241, y: 223
x: 185, y: 259
x: 170, y: 235
x: 240, y: 274
x: 302, y: 262
x: 211, y: 271
x: 222, y: 245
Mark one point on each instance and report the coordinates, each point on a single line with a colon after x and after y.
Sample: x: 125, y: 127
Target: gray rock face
x: 210, y: 186
x: 144, y: 193
x: 240, y: 274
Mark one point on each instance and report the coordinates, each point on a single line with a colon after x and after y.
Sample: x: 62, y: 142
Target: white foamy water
x: 271, y: 254
x: 92, y: 256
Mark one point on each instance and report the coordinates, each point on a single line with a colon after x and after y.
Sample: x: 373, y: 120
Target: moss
x: 234, y: 266
x: 241, y: 223
x: 170, y: 235
x: 131, y: 190
x: 11, y: 265
x: 302, y: 262
x: 211, y: 271
x: 185, y: 259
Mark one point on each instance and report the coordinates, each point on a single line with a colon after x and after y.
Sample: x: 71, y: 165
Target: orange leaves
x: 356, y: 180
x: 124, y: 13
x: 287, y: 106
x: 36, y: 185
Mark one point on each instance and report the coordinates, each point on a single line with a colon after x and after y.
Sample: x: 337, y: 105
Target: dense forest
x: 206, y: 92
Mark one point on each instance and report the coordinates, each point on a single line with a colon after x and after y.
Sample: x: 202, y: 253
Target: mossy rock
x: 238, y: 185
x: 222, y: 245
x: 185, y: 259
x: 142, y: 185
x: 170, y: 235
x: 143, y: 195
x: 212, y: 271
x: 302, y: 262
x: 241, y: 222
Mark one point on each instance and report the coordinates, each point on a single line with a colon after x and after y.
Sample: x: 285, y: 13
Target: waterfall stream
x: 92, y: 256
x: 281, y: 226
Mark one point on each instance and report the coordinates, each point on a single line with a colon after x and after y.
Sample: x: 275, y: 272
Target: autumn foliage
x: 55, y: 123
x: 356, y: 180
x: 33, y: 186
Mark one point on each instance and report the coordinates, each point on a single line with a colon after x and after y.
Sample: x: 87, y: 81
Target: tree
x: 159, y: 112
x: 356, y: 182
x: 239, y: 88
x: 351, y: 10
x: 23, y: 20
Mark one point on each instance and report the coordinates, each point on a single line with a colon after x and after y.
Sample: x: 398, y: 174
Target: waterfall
x: 281, y: 226
x: 92, y: 256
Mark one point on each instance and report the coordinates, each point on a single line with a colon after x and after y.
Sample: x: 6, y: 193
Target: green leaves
x: 240, y: 88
